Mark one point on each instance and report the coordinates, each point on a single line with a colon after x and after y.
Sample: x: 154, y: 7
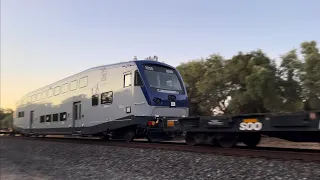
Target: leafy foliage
x: 190, y: 72
x: 311, y: 75
x: 254, y: 82
x: 5, y: 112
x: 6, y: 118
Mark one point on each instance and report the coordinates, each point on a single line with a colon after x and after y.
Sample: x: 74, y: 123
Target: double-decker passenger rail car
x: 133, y: 99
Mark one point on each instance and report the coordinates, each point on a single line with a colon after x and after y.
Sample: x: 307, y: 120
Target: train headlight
x: 157, y: 100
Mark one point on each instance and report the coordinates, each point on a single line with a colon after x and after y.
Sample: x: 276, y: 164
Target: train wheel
x: 155, y: 136
x: 151, y: 138
x: 105, y: 137
x: 252, y: 140
x: 227, y: 141
x: 129, y: 136
x: 191, y: 139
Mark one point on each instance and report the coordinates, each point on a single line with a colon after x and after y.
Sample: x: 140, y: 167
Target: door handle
x: 139, y: 103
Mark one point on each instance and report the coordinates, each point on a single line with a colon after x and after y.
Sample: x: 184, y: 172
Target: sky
x: 43, y: 41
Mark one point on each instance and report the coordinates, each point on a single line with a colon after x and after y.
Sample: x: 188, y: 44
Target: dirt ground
x: 275, y: 142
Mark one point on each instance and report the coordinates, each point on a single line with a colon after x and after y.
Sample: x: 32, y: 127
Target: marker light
x: 151, y: 123
x: 312, y: 116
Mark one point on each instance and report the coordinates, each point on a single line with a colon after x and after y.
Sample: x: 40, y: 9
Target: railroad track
x: 289, y: 154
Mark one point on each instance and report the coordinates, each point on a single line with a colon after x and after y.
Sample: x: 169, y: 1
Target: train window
x: 38, y: 96
x: 48, y: 118
x: 137, y: 79
x: 127, y: 80
x: 95, y: 100
x: 55, y: 117
x: 50, y: 93
x: 42, y: 119
x: 73, y: 85
x: 83, y: 82
x: 57, y: 90
x: 21, y: 114
x: 63, y: 116
x: 107, y: 97
x: 44, y: 94
x: 64, y: 88
x: 103, y: 74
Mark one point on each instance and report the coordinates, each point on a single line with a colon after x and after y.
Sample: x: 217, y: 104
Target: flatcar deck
x: 248, y: 128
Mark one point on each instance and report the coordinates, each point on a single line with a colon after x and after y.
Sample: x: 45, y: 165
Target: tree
x: 6, y: 117
x: 253, y: 81
x: 191, y: 72
x: 5, y: 112
x: 213, y: 86
x: 311, y: 75
x: 290, y: 82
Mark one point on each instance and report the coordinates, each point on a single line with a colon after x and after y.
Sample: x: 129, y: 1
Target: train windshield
x: 164, y: 79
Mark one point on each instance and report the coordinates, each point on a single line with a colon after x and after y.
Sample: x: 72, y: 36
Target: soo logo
x: 250, y: 126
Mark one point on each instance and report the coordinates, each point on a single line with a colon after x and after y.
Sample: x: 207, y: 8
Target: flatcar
x: 128, y: 100
x: 227, y: 131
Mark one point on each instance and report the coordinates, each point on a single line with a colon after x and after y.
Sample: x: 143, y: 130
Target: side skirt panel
x: 100, y: 128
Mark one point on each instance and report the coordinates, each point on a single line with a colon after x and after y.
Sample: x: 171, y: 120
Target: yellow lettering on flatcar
x: 253, y: 120
x: 170, y: 123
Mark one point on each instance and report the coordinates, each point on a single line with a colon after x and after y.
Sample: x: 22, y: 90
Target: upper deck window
x: 83, y: 82
x: 44, y: 94
x: 163, y: 78
x: 34, y: 98
x: 38, y: 96
x: 64, y: 88
x: 127, y: 80
x: 73, y: 85
x: 57, y: 90
x: 137, y: 79
x: 50, y: 92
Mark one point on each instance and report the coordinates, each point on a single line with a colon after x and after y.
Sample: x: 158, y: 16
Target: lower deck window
x: 63, y: 116
x: 48, y: 118
x: 95, y: 100
x: 42, y: 119
x: 107, y: 97
x: 55, y: 117
x: 20, y: 114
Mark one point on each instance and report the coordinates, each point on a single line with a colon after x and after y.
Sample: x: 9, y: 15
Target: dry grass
x: 275, y: 142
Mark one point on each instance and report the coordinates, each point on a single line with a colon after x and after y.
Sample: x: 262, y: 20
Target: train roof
x: 101, y: 66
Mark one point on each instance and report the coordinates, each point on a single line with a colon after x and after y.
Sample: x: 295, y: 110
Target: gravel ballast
x: 27, y: 159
